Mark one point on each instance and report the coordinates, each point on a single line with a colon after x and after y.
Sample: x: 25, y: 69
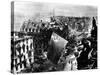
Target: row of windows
x: 22, y: 55
x: 31, y: 30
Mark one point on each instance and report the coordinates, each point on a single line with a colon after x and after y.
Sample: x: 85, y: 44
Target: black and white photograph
x: 53, y: 37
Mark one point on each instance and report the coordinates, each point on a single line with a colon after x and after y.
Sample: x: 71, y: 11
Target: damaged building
x: 54, y: 43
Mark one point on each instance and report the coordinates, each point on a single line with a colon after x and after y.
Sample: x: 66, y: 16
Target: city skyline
x: 33, y: 10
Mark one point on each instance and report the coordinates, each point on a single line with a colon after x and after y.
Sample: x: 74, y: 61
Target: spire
x: 53, y: 12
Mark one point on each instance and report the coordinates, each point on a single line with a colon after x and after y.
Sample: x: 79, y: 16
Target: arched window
x: 29, y: 29
x: 32, y: 30
x: 26, y: 29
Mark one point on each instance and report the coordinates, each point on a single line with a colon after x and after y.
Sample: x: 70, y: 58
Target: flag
x: 56, y: 46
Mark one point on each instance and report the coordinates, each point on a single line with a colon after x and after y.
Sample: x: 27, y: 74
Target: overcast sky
x: 26, y: 10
